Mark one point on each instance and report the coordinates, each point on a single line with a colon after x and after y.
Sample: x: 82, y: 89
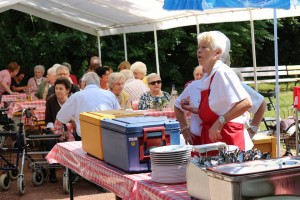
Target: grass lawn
x: 285, y: 100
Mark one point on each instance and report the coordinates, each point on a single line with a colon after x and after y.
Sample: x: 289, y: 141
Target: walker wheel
x: 21, y: 185
x: 4, y: 182
x: 14, y: 173
x: 66, y: 186
x: 37, y: 177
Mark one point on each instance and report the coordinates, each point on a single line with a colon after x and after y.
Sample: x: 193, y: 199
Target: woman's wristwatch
x: 254, y: 128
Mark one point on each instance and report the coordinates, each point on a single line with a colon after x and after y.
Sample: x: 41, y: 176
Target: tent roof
x: 109, y: 17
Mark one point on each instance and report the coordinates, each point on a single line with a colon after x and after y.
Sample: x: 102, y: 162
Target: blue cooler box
x: 126, y: 141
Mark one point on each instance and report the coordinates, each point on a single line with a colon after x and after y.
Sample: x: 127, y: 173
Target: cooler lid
x: 129, y: 125
x: 257, y: 166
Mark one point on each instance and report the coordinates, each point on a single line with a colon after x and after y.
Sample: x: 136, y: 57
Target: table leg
x: 71, y: 179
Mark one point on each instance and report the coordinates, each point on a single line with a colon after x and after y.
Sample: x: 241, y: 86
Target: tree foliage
x: 30, y: 41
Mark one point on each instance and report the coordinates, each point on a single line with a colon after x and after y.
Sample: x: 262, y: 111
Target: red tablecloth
x: 18, y: 106
x: 126, y: 186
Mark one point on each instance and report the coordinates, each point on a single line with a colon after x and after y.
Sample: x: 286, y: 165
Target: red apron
x: 232, y: 133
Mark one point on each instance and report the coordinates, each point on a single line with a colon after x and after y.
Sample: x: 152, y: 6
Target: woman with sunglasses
x: 155, y: 96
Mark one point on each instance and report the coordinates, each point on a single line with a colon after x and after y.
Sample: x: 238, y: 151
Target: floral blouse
x: 147, y: 101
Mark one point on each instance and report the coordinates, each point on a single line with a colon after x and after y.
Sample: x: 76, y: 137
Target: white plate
x: 171, y: 148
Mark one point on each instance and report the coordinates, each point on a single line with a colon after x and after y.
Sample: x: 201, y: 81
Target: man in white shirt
x: 90, y: 99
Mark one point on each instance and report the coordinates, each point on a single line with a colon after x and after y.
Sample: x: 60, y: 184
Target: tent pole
x: 125, y: 45
x: 197, y: 26
x: 156, y: 51
x: 253, y: 50
x: 99, y: 45
x: 277, y: 86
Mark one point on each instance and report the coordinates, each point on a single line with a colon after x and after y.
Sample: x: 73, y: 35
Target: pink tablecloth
x: 126, y: 186
x: 18, y: 106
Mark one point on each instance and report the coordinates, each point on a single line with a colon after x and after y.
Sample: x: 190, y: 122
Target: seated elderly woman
x: 155, y: 98
x: 38, y: 78
x: 53, y: 104
x: 116, y: 82
x: 103, y: 73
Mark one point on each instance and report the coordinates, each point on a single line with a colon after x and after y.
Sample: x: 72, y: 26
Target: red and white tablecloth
x: 126, y: 186
x: 18, y: 106
x: 13, y: 97
x: 166, y: 112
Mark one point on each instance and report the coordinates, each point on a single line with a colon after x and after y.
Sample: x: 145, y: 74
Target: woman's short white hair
x: 128, y: 74
x: 217, y: 40
x: 139, y: 66
x: 115, y: 77
x: 151, y: 76
x: 39, y: 67
x: 52, y: 70
x: 63, y: 67
x: 91, y: 78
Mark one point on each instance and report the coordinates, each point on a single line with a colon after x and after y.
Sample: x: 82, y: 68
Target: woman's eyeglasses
x: 155, y: 82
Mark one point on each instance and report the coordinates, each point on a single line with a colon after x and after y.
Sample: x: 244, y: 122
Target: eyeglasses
x: 155, y: 82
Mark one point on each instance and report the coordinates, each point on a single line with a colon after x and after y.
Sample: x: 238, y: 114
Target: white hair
x: 128, y: 74
x: 39, y: 67
x: 52, y: 70
x: 91, y: 78
x: 152, y: 75
x: 115, y: 77
x: 139, y: 66
x: 217, y: 40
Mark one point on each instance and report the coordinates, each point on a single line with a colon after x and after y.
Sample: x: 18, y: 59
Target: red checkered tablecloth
x: 13, y: 97
x: 18, y: 106
x: 126, y: 186
x: 167, y: 112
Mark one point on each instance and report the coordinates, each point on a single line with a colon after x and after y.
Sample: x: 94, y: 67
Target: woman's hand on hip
x: 215, y: 132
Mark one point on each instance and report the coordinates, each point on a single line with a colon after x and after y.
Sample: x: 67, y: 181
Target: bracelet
x: 10, y: 92
x: 184, y: 129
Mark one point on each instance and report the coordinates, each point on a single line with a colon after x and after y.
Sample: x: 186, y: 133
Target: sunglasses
x: 155, y: 82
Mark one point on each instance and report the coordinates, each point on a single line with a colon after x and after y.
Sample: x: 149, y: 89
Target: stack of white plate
x: 168, y: 163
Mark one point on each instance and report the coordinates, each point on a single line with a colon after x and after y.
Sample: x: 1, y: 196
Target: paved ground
x: 83, y: 190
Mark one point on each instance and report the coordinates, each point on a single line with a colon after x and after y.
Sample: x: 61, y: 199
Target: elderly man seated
x: 90, y: 99
x: 63, y: 71
x: 134, y: 87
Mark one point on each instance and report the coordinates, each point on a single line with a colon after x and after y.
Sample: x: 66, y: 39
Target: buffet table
x: 126, y: 186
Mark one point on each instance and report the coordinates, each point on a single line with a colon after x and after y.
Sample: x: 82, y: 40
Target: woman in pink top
x: 35, y: 82
x: 5, y: 77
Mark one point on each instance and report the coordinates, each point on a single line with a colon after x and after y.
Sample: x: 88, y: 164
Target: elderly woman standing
x: 222, y: 99
x: 38, y: 79
x: 116, y: 82
x: 155, y: 95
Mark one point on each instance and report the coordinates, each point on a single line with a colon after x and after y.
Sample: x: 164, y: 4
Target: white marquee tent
x: 110, y: 17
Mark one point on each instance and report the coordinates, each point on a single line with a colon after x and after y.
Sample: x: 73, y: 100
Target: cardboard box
x: 265, y: 144
x: 90, y: 126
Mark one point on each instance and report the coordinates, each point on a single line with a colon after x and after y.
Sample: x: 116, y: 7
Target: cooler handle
x: 147, y: 130
x: 154, y: 129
